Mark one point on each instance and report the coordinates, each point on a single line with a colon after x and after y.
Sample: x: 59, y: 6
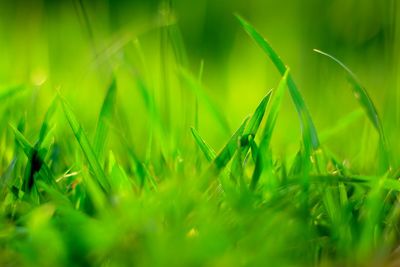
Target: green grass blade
x: 100, y: 138
x: 307, y: 126
x: 274, y: 110
x: 23, y: 142
x: 209, y: 153
x: 46, y: 124
x: 248, y: 135
x: 35, y: 164
x: 9, y: 92
x: 194, y: 85
x: 229, y: 149
x: 363, y: 98
x: 258, y: 115
x: 276, y: 103
x: 85, y: 145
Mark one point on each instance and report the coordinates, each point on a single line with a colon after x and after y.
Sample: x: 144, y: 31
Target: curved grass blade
x: 209, y: 153
x: 85, y: 146
x: 100, y: 138
x: 310, y: 136
x: 364, y: 100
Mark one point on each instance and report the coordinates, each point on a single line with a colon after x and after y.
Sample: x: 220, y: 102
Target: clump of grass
x: 69, y: 202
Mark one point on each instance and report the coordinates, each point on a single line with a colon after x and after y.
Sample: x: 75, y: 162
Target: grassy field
x: 212, y: 133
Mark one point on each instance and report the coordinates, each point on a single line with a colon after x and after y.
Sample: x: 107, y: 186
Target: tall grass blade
x: 85, y: 146
x: 307, y: 126
x: 266, y: 136
x: 100, y: 138
x: 364, y: 99
x: 194, y: 85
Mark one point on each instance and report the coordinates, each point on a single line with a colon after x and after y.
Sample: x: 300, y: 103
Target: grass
x: 169, y: 198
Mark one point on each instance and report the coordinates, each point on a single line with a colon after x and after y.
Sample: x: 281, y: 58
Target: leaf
x: 309, y: 133
x: 85, y: 146
x: 197, y: 89
x: 276, y: 103
x: 209, y: 153
x: 100, y: 138
x: 11, y: 91
x: 35, y: 163
x: 363, y: 99
x: 46, y: 124
x: 248, y: 135
x: 229, y: 149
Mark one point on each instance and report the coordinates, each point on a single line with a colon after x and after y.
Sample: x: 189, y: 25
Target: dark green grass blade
x: 227, y: 152
x: 363, y: 98
x: 9, y: 92
x: 208, y: 152
x: 25, y: 145
x: 258, y: 115
x: 194, y: 85
x: 248, y: 135
x: 35, y: 163
x: 274, y: 110
x: 276, y: 103
x: 100, y: 138
x: 85, y: 145
x: 308, y: 129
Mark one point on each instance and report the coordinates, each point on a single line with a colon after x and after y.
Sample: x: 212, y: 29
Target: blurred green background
x: 76, y: 47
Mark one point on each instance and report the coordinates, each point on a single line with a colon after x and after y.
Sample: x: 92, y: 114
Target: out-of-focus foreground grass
x: 123, y: 138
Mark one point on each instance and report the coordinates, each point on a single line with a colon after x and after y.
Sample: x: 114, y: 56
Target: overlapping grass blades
x: 268, y: 130
x: 310, y: 136
x: 85, y: 145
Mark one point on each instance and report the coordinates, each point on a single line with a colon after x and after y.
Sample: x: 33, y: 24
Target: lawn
x: 199, y: 133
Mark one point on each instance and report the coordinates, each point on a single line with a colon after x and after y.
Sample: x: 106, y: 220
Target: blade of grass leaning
x: 225, y: 155
x: 25, y: 145
x: 364, y: 100
x: 276, y: 103
x: 309, y: 132
x: 207, y: 150
x: 258, y: 115
x: 46, y: 124
x: 85, y: 146
x: 194, y: 85
x: 11, y: 91
x: 248, y: 135
x: 100, y: 138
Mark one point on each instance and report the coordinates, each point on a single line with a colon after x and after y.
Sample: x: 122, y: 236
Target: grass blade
x: 247, y: 139
x: 85, y: 145
x: 255, y: 121
x: 363, y: 98
x: 9, y: 92
x: 227, y: 152
x: 100, y: 138
x: 209, y: 153
x: 46, y: 124
x: 307, y: 126
x: 268, y: 129
x: 197, y: 89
